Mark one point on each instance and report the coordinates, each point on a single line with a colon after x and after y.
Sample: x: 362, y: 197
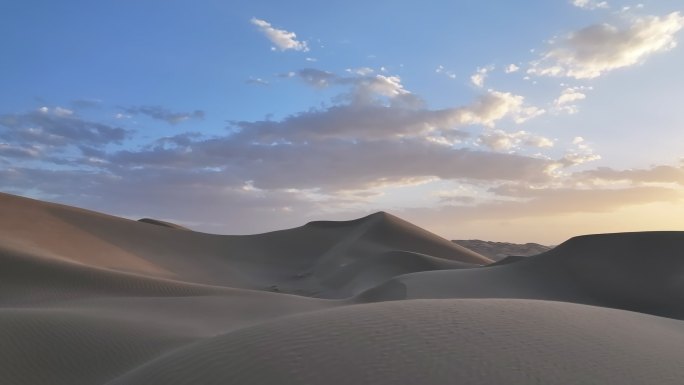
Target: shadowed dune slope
x: 641, y: 272
x: 157, y: 222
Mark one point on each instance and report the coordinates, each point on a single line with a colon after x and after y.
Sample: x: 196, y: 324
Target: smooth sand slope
x: 87, y: 298
x: 641, y: 272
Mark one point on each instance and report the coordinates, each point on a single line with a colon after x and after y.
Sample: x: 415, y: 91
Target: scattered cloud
x: 257, y: 82
x: 315, y: 77
x: 590, y: 4
x: 362, y: 71
x: 600, y: 48
x: 478, y: 78
x: 163, y: 114
x: 57, y: 127
x: 500, y: 140
x: 580, y: 153
x: 511, y: 68
x: 441, y: 70
x: 282, y: 40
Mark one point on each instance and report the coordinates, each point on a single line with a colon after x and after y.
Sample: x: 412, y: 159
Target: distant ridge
x: 500, y: 250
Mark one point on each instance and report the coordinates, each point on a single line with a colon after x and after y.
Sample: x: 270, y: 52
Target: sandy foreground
x: 87, y: 298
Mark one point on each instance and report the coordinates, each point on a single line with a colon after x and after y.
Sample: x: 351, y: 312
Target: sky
x: 525, y: 121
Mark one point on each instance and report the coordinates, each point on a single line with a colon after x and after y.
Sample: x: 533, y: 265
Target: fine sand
x: 87, y: 298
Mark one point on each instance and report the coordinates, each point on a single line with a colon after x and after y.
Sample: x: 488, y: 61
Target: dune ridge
x: 89, y: 298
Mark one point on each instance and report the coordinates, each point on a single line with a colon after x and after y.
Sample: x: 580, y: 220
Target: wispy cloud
x: 257, y: 82
x: 600, y: 48
x: 163, y: 114
x: 57, y: 127
x: 500, y: 140
x: 282, y: 40
x: 441, y: 70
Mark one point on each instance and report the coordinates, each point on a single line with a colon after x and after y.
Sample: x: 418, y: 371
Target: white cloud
x: 282, y: 39
x: 496, y: 105
x: 511, y: 68
x: 480, y: 75
x: 441, y: 70
x: 600, y: 48
x: 257, y: 81
x: 590, y: 4
x: 362, y: 71
x: 389, y: 86
x: 580, y: 154
x: 500, y: 140
x: 59, y: 111
x: 566, y: 101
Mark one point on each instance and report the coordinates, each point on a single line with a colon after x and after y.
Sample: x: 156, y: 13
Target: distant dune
x: 88, y: 298
x: 500, y: 250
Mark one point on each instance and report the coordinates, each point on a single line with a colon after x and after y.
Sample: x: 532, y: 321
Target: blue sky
x: 521, y: 121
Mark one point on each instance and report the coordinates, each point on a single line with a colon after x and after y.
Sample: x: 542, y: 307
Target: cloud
x: 590, y: 4
x: 357, y: 166
x: 500, y: 140
x: 365, y: 89
x: 56, y: 127
x: 441, y: 70
x: 511, y: 68
x: 480, y: 75
x: 283, y: 40
x: 655, y: 174
x: 362, y: 71
x: 556, y: 201
x: 600, y: 48
x: 365, y: 117
x: 315, y: 77
x: 257, y: 82
x: 566, y: 101
x: 19, y: 151
x: 163, y: 114
x: 581, y: 153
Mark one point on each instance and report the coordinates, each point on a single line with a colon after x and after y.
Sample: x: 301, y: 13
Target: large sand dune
x: 87, y: 298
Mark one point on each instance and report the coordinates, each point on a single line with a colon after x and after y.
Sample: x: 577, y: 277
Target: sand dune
x: 87, y: 298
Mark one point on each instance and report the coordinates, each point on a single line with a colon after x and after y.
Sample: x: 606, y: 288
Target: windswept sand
x: 87, y: 298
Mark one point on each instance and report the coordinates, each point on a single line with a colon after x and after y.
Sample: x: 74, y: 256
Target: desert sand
x: 88, y: 298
